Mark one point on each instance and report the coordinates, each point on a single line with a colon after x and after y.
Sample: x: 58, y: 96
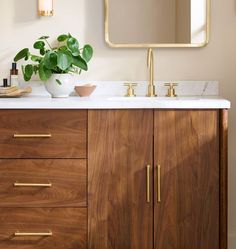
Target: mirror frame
x: 156, y: 45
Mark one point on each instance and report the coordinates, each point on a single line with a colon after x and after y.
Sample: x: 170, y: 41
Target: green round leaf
x: 64, y: 60
x: 26, y: 78
x: 50, y: 60
x: 87, y: 52
x: 39, y: 45
x: 36, y: 58
x: 62, y: 38
x: 22, y: 54
x: 42, y: 51
x: 79, y: 62
x: 36, y: 68
x: 44, y: 73
x: 73, y: 44
x: 29, y: 70
x: 63, y: 48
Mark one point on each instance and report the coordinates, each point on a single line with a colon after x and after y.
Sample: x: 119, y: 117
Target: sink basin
x: 136, y: 99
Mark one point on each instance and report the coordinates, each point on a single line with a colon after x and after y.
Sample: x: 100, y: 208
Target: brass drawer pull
x: 47, y: 185
x: 148, y: 183
x: 49, y: 233
x: 32, y: 135
x: 158, y: 183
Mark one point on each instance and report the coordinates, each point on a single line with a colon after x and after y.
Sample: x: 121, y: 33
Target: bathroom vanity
x: 104, y: 173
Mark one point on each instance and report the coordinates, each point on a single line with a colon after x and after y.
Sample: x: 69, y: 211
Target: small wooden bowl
x: 85, y: 91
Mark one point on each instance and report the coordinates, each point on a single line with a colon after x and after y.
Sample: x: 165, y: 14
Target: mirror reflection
x: 157, y: 21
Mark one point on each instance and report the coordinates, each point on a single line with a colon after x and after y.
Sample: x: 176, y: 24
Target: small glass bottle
x: 5, y: 83
x: 14, y: 81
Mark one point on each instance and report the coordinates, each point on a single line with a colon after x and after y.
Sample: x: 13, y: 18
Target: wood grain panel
x: 68, y: 129
x: 68, y: 225
x: 67, y: 176
x: 187, y: 148
x: 120, y: 144
x: 223, y: 179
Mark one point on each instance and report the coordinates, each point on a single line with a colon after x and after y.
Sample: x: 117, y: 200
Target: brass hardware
x: 45, y: 13
x: 150, y: 64
x: 171, y: 89
x: 49, y: 233
x: 148, y: 183
x: 130, y: 90
x: 32, y: 135
x: 156, y: 45
x: 45, y: 185
x: 45, y: 7
x: 158, y: 183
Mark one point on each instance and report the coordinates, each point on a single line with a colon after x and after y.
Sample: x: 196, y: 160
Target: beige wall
x: 217, y: 61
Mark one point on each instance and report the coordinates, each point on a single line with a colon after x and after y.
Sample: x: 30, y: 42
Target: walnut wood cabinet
x: 157, y: 179
x: 121, y: 146
x: 43, y: 179
x: 113, y: 179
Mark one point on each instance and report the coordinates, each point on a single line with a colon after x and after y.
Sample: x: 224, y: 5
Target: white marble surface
x: 103, y: 102
x: 109, y: 95
x: 117, y: 88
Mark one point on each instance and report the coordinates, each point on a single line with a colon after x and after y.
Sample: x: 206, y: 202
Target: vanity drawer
x: 67, y: 225
x: 43, y: 133
x: 43, y: 183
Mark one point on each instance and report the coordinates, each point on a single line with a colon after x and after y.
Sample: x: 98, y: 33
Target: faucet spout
x: 150, y: 64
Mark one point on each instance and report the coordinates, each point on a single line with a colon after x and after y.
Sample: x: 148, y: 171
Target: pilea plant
x: 66, y: 57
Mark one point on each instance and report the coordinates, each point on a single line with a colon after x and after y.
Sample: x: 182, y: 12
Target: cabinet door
x: 120, y: 145
x: 187, y: 149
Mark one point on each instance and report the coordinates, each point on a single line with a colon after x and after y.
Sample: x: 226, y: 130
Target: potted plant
x: 56, y: 65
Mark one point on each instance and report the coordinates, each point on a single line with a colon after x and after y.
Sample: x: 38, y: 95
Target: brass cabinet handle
x: 148, y: 183
x: 22, y: 184
x: 49, y: 233
x: 158, y: 183
x: 32, y: 135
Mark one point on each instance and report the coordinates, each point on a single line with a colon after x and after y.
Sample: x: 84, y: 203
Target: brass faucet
x: 130, y: 89
x: 171, y: 89
x: 150, y: 64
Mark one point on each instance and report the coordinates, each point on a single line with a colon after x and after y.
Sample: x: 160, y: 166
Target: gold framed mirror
x: 157, y: 23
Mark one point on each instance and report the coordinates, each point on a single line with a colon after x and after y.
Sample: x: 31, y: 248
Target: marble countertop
x: 109, y: 95
x: 113, y: 102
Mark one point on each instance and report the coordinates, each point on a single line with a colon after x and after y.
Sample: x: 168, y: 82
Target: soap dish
x: 14, y: 92
x: 85, y: 90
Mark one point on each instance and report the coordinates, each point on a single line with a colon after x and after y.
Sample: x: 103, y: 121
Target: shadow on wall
x: 94, y: 24
x: 30, y: 11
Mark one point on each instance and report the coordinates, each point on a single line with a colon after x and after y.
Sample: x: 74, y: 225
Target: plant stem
x: 49, y: 44
x: 72, y: 71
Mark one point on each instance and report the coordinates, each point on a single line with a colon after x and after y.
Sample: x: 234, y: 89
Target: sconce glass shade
x: 45, y: 7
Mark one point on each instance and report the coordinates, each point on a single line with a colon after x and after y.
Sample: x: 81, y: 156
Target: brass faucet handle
x: 130, y: 84
x: 171, y: 89
x: 130, y: 89
x: 171, y: 84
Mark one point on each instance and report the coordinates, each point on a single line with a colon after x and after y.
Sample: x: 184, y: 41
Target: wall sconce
x: 45, y: 7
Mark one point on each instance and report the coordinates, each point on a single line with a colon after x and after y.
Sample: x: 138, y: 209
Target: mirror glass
x: 160, y: 23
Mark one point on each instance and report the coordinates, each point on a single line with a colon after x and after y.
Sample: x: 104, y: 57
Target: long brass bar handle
x: 49, y: 233
x: 148, y: 183
x: 32, y: 135
x: 22, y: 184
x: 158, y: 183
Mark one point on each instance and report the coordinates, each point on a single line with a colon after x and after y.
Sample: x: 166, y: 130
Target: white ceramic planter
x: 57, y: 90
